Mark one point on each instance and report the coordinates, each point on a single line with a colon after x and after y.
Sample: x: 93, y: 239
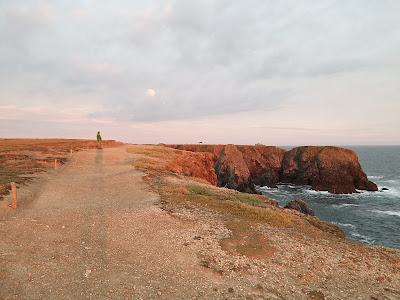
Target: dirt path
x: 92, y: 229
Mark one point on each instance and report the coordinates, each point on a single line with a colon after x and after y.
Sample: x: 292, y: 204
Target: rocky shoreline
x: 286, y: 253
x: 243, y: 167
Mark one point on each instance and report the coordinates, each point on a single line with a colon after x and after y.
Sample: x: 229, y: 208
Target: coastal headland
x: 242, y: 167
x: 157, y: 222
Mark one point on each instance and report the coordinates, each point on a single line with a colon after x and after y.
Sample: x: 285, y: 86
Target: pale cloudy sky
x: 275, y: 72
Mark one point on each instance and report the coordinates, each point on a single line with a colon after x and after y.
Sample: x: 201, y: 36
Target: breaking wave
x: 387, y: 212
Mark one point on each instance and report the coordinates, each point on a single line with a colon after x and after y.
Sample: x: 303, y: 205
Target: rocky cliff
x: 241, y: 167
x: 199, y: 165
x: 332, y: 169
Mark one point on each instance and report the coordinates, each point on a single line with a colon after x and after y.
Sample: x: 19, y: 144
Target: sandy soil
x: 94, y: 229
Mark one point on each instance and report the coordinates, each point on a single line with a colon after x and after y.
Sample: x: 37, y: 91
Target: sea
x: 369, y: 217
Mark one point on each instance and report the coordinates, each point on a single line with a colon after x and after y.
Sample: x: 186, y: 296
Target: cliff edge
x: 242, y: 167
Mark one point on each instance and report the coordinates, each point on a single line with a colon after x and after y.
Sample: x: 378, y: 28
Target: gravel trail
x: 92, y: 229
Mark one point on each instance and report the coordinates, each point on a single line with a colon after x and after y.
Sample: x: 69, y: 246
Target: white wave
x: 293, y: 186
x: 362, y: 192
x: 362, y: 238
x: 344, y: 225
x: 264, y: 188
x: 313, y: 192
x: 387, y: 212
x: 344, y: 205
x: 375, y: 177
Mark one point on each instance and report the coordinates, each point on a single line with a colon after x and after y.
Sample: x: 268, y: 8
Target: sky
x: 245, y: 72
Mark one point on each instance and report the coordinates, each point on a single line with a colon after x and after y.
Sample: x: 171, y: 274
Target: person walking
x: 99, y: 146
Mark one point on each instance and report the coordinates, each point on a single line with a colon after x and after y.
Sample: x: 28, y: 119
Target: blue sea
x: 368, y: 217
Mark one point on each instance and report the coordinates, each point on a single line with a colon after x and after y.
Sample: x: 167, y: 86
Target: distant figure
x: 99, y: 146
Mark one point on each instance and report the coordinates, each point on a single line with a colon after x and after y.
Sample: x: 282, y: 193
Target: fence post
x: 55, y: 164
x: 13, y: 195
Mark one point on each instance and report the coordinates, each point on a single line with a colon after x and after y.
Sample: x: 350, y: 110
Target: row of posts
x: 14, y: 187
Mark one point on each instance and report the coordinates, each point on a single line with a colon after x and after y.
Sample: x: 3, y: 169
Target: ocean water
x: 368, y: 217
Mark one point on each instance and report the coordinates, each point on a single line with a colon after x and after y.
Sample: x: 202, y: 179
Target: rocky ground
x: 128, y: 223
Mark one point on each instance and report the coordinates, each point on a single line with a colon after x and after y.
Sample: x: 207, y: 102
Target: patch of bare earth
x: 269, y: 252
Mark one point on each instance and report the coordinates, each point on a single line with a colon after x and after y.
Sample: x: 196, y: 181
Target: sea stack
x: 333, y: 169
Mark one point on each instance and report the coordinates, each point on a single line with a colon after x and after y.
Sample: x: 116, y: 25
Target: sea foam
x: 375, y: 177
x: 362, y: 238
x: 387, y: 212
x: 344, y: 225
x: 344, y: 205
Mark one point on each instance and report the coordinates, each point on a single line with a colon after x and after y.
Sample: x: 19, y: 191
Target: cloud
x: 200, y: 58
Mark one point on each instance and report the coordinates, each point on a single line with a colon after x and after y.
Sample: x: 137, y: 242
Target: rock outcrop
x: 232, y: 171
x: 264, y: 163
x: 199, y: 165
x: 332, y: 169
x: 300, y: 206
x: 242, y: 167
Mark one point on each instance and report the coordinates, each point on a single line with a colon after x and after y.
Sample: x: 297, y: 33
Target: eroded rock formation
x: 264, y: 163
x: 232, y: 170
x: 200, y: 165
x: 242, y: 167
x: 332, y: 169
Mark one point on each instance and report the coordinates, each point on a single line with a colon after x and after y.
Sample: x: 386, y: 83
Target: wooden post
x: 13, y: 195
x: 70, y: 151
x: 55, y: 164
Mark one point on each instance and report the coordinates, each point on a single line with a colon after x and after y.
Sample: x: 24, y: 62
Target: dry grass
x: 153, y: 157
x: 160, y: 152
x: 195, y: 189
x: 50, y: 145
x: 20, y: 158
x: 240, y: 213
x: 231, y: 205
x: 161, y: 158
x: 149, y: 164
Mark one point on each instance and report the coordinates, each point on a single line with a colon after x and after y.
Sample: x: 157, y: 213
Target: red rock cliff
x: 332, y: 169
x: 232, y: 170
x: 241, y: 167
x: 200, y: 165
